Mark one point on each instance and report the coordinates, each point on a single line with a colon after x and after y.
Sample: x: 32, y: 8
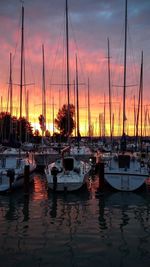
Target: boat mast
x: 104, y: 118
x: 77, y: 99
x: 134, y: 117
x: 27, y: 105
x: 89, y: 112
x: 74, y: 91
x: 10, y: 84
x: 43, y: 92
x: 140, y: 100
x: 109, y: 86
x: 141, y: 89
x: 125, y: 67
x: 67, y: 65
x: 53, y: 114
x: 21, y: 60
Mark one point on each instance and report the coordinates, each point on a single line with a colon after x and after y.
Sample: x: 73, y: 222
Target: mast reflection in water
x: 78, y: 229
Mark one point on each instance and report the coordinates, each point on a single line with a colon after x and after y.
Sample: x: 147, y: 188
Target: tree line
x: 19, y: 130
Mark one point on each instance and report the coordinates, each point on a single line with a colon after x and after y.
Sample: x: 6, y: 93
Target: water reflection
x: 11, y: 211
x: 102, y: 220
x: 125, y: 227
x: 40, y: 190
x: 25, y: 209
x: 53, y: 211
x: 75, y: 229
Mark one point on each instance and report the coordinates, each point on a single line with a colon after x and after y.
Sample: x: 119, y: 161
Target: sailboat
x: 13, y: 161
x: 67, y: 173
x: 124, y: 171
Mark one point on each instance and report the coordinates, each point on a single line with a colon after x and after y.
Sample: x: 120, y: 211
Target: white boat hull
x: 124, y: 172
x: 125, y: 181
x: 17, y: 167
x: 68, y: 182
x: 70, y: 178
x: 18, y: 181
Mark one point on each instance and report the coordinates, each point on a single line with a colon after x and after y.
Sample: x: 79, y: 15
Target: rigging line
x: 77, y: 49
x: 29, y: 59
x: 118, y: 58
x: 56, y: 54
x: 118, y: 61
x: 133, y: 59
x: 55, y: 58
x: 63, y: 75
x: 17, y: 41
x: 79, y: 59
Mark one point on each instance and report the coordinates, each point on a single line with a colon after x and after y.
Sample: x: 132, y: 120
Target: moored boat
x: 12, y: 170
x: 67, y: 173
x: 125, y: 172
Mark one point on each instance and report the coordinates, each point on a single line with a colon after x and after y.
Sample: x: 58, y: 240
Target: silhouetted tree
x: 24, y: 130
x: 13, y: 129
x: 5, y: 125
x: 42, y: 122
x: 61, y: 122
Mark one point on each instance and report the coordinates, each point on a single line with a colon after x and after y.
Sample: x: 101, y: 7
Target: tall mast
x: 104, y: 117
x: 27, y: 105
x: 140, y: 101
x: 77, y: 99
x: 67, y: 65
x: 21, y: 60
x: 109, y: 85
x: 89, y: 111
x: 10, y: 85
x: 134, y: 118
x: 125, y: 66
x: 74, y: 91
x: 141, y: 89
x: 53, y: 114
x: 43, y: 90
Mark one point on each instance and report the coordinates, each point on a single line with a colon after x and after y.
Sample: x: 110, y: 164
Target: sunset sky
x: 91, y: 22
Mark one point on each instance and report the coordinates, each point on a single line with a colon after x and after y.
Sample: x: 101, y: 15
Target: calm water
x: 74, y: 230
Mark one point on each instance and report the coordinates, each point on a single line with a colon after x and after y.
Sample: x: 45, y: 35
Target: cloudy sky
x: 91, y: 22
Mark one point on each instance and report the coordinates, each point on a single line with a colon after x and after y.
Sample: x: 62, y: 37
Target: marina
x: 74, y: 133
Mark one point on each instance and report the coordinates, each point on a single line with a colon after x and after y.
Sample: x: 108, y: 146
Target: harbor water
x: 81, y: 229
